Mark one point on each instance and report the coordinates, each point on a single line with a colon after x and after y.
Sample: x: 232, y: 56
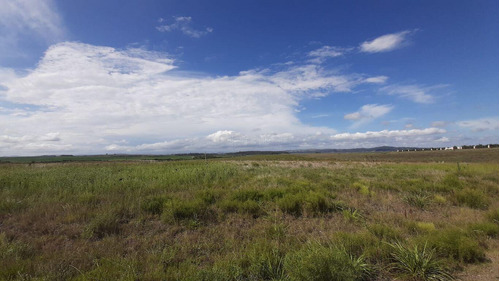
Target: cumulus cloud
x: 415, y: 93
x: 184, y: 25
x: 94, y: 97
x: 479, y: 125
x: 385, y: 43
x: 368, y: 113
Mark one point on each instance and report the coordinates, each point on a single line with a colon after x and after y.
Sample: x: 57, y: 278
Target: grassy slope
x: 299, y: 217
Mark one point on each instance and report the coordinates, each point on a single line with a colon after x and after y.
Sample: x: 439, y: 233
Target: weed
x: 418, y: 263
x: 417, y: 199
x: 352, y: 215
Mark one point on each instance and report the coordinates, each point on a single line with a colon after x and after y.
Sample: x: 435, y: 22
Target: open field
x: 370, y: 216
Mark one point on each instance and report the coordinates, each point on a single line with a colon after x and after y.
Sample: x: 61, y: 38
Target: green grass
x: 272, y: 217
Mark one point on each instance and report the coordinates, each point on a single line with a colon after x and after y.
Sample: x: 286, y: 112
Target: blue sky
x: 88, y: 77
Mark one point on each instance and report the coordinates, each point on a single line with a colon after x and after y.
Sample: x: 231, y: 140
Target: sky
x: 164, y: 77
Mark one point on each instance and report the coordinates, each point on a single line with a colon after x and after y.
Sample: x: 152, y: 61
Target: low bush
x: 317, y: 262
x: 196, y: 210
x: 247, y: 194
x: 492, y: 215
x: 106, y: 223
x: 384, y: 232
x: 291, y: 204
x: 455, y: 245
x: 485, y: 228
x: 153, y: 205
x: 471, y: 198
x: 250, y: 207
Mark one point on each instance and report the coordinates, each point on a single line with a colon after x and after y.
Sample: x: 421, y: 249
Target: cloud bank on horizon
x: 83, y: 99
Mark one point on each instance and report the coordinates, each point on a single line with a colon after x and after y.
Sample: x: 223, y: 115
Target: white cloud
x: 376, y: 79
x: 368, y: 113
x: 183, y: 24
x: 388, y: 134
x: 385, y: 43
x: 479, y: 125
x: 443, y: 139
x: 32, y: 21
x: 326, y: 52
x: 415, y: 93
x: 90, y: 98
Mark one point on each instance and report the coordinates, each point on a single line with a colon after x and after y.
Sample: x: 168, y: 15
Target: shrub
x: 450, y: 182
x: 318, y: 262
x: 229, y: 206
x: 485, y: 228
x: 420, y: 227
x: 472, y: 198
x: 291, y: 204
x: 272, y: 194
x: 363, y: 189
x: 266, y: 262
x: 195, y: 210
x: 438, y: 199
x: 250, y: 207
x: 454, y: 244
x: 316, y: 203
x: 105, y: 224
x: 208, y: 196
x: 153, y: 205
x: 418, y: 264
x: 247, y: 194
x: 492, y: 215
x: 384, y: 232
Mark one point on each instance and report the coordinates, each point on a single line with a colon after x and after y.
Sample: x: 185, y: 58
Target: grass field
x: 372, y: 216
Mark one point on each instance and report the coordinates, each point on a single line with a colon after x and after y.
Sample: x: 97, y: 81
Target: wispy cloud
x: 385, y: 43
x: 388, y: 134
x: 34, y: 21
x: 368, y: 113
x: 322, y: 54
x: 479, y: 125
x: 183, y: 24
x: 415, y: 93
